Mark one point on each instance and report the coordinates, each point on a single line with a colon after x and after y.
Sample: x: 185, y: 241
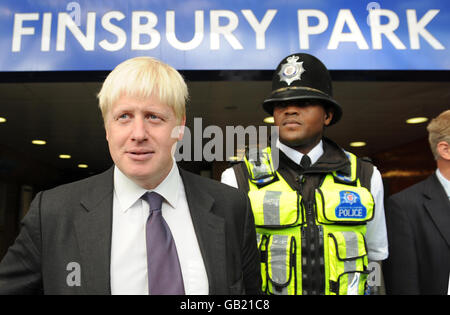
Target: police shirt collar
x: 296, y: 156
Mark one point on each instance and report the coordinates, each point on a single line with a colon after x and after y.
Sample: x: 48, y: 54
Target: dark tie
x: 305, y: 163
x: 164, y: 272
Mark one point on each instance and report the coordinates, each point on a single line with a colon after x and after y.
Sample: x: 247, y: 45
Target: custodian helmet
x: 302, y: 77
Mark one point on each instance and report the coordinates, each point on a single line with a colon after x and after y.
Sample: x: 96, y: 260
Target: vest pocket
x: 280, y: 265
x: 276, y: 209
x: 353, y: 205
x: 347, y: 255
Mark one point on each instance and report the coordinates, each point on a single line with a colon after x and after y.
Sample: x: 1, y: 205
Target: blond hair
x: 142, y: 77
x: 439, y: 130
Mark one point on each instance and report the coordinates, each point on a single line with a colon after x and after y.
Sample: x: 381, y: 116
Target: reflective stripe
x: 279, y: 262
x: 271, y: 207
x: 352, y: 250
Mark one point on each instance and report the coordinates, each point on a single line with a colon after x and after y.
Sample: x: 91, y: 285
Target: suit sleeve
x: 20, y: 269
x: 250, y: 253
x: 401, y: 268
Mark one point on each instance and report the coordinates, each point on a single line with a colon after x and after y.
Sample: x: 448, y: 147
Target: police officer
x: 319, y: 216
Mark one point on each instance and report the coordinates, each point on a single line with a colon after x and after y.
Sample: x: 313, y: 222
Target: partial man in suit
x: 418, y: 222
x: 144, y: 226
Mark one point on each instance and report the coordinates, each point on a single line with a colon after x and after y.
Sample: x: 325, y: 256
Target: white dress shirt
x: 376, y: 237
x: 128, y: 248
x: 444, y: 181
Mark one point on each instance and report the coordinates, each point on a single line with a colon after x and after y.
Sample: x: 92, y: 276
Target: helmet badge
x: 291, y: 71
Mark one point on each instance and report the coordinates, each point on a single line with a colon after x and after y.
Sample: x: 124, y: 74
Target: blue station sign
x: 58, y: 35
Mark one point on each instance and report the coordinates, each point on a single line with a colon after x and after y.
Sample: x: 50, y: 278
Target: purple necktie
x: 164, y: 272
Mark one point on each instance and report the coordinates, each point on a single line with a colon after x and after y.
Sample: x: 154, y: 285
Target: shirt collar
x: 128, y: 192
x: 444, y: 181
x: 296, y: 156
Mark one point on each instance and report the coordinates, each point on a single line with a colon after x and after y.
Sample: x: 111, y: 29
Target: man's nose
x: 139, y: 132
x: 292, y: 110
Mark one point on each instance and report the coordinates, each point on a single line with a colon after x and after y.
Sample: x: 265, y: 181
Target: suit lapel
x: 438, y: 206
x: 93, y: 225
x: 210, y: 232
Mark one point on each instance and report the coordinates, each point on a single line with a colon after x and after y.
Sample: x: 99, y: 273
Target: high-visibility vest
x: 341, y: 210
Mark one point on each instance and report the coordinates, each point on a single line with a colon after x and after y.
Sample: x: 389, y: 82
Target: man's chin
x: 146, y: 175
x: 133, y: 169
x: 139, y: 175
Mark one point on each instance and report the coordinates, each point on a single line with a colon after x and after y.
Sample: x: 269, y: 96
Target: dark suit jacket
x: 73, y: 223
x: 418, y: 223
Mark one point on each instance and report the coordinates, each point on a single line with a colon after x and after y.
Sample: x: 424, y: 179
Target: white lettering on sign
x: 388, y: 29
x: 87, y: 41
x: 225, y: 29
x: 147, y: 28
x: 260, y: 28
x: 20, y: 30
x: 172, y: 37
x: 305, y: 29
x: 345, y: 17
x: 115, y: 30
x: 417, y: 28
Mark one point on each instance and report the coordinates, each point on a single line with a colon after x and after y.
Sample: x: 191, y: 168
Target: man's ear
x: 105, y: 125
x: 328, y: 117
x: 180, y: 129
x: 106, y: 131
x: 443, y: 149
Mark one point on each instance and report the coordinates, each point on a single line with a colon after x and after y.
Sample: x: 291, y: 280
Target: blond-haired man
x: 418, y: 222
x: 144, y: 226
